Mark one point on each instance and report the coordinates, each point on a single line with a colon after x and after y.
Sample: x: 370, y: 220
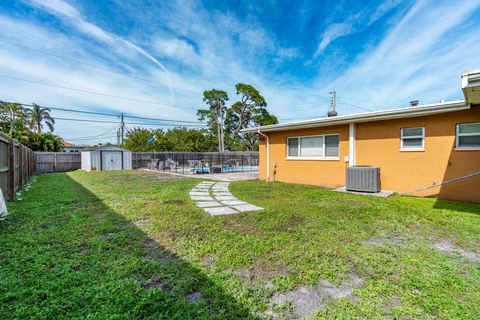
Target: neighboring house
x: 414, y: 147
x: 69, y: 147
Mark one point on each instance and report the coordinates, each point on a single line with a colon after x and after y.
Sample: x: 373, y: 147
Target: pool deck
x: 230, y: 176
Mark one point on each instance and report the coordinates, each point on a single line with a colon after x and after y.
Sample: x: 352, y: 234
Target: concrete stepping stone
x: 220, y: 198
x: 220, y: 210
x: 222, y: 202
x: 208, y: 204
x: 198, y: 193
x: 215, y: 193
x: 232, y: 202
x: 201, y: 198
x: 246, y: 207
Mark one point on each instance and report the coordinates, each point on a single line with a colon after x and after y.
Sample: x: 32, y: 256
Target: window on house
x: 412, y: 139
x: 468, y: 135
x: 314, y: 147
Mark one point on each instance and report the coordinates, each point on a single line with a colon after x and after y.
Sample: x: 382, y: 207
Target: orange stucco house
x: 433, y: 147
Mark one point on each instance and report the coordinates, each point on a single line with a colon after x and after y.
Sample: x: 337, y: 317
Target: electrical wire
x: 96, y: 66
x: 112, y: 136
x: 137, y: 123
x: 93, y: 92
x: 356, y: 106
x: 110, y: 114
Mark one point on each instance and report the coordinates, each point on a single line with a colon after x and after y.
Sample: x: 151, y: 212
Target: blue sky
x: 164, y: 54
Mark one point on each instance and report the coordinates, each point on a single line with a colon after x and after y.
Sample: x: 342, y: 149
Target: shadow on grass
x: 65, y: 254
x: 458, y: 206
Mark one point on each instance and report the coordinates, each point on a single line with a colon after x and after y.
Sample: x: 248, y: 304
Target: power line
x: 356, y: 106
x: 107, y: 132
x: 106, y: 137
x: 137, y: 123
x: 109, y: 114
x: 96, y: 66
x: 93, y: 92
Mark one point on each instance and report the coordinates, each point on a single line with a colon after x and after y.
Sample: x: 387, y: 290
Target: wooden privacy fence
x: 57, y: 161
x: 17, y: 165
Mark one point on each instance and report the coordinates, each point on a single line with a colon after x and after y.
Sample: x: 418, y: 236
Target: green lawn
x: 132, y: 245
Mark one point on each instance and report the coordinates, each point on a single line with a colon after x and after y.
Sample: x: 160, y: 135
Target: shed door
x: 111, y: 160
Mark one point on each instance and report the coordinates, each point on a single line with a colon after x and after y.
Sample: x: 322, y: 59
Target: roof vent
x: 332, y: 113
x: 414, y: 103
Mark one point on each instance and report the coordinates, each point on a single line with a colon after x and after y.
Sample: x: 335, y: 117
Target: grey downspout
x: 268, y: 152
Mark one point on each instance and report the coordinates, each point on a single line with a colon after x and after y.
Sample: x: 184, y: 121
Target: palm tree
x: 38, y: 115
x: 14, y: 114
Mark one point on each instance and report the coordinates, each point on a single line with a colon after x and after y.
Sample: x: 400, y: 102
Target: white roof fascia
x: 470, y: 85
x: 406, y: 112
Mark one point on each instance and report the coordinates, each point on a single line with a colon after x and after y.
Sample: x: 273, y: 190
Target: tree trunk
x: 219, y: 136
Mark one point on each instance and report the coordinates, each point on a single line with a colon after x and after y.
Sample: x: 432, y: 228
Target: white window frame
x: 458, y: 134
x: 324, y: 157
x: 403, y: 148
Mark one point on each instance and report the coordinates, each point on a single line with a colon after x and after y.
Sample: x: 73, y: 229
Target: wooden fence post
x: 11, y: 170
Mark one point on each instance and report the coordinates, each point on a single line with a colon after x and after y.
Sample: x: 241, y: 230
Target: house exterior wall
x: 328, y: 173
x: 378, y: 144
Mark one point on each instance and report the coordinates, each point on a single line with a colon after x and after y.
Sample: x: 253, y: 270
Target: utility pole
x: 333, y: 104
x: 122, y: 129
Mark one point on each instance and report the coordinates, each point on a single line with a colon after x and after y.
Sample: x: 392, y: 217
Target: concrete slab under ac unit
x: 381, y: 194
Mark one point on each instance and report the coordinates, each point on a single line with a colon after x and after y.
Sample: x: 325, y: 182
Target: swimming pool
x: 228, y: 169
x: 240, y: 168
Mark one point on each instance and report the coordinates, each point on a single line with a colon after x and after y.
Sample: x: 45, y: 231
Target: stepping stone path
x: 215, y: 199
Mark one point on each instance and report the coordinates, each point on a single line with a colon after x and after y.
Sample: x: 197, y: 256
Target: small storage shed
x: 106, y: 158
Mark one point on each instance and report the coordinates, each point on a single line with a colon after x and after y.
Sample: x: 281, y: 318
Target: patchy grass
x: 133, y: 245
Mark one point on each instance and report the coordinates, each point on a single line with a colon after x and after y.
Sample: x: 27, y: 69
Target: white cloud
x: 353, y: 24
x: 414, y: 61
x: 174, y: 48
x: 65, y: 11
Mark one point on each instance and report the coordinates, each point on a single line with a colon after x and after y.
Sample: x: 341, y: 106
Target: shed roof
x: 105, y: 148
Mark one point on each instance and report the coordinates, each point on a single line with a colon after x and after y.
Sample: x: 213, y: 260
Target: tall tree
x: 215, y: 114
x: 38, y: 115
x: 250, y: 111
x: 14, y: 116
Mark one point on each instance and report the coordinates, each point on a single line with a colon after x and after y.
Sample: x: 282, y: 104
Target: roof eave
x: 407, y: 112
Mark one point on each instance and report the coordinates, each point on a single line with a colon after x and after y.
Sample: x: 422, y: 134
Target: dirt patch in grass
x: 261, y: 271
x: 394, y: 302
x: 156, y: 282
x: 306, y: 300
x: 194, y: 297
x: 240, y: 226
x: 291, y: 222
x: 446, y: 245
x: 108, y: 235
x: 209, y: 261
x: 383, y: 242
x: 142, y: 222
x: 157, y: 253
